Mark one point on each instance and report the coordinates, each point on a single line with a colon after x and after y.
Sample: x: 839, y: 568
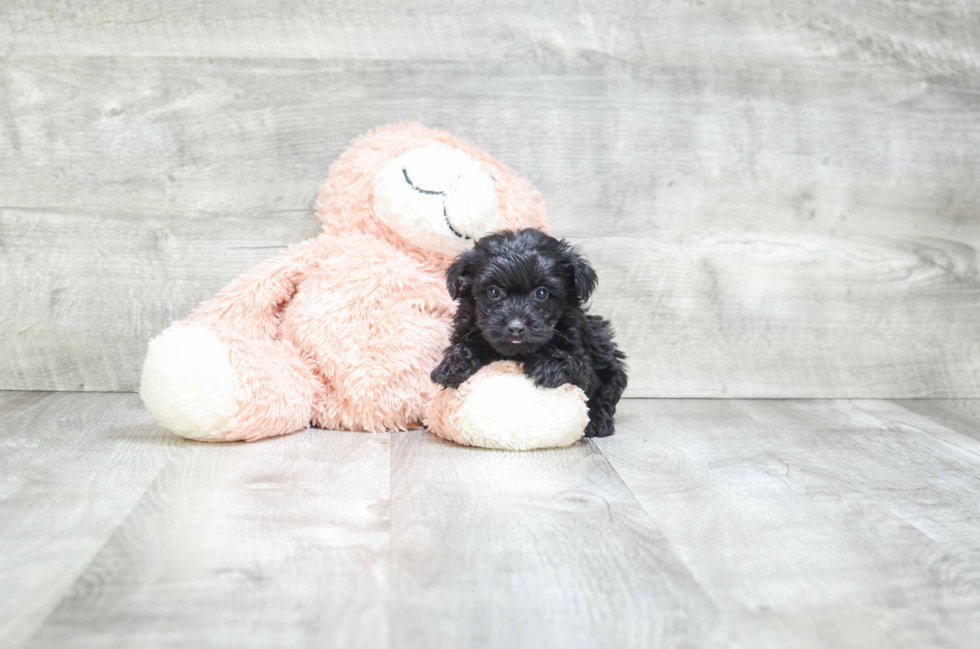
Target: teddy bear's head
x: 426, y: 190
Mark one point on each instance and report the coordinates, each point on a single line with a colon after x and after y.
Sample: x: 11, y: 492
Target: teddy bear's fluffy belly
x: 371, y: 342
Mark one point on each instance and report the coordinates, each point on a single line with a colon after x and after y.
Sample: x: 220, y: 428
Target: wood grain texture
x: 282, y: 543
x: 781, y: 202
x: 538, y: 549
x: 783, y: 316
x: 84, y: 322
x: 961, y: 415
x: 825, y: 316
x: 813, y: 523
x: 701, y: 523
x: 627, y: 149
x: 938, y: 36
x: 71, y: 468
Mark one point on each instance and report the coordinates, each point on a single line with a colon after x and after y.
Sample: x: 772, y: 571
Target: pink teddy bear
x: 341, y: 331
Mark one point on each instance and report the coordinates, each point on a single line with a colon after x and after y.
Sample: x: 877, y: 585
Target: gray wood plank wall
x: 781, y: 198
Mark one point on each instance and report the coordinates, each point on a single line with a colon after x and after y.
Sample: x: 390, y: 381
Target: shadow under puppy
x: 521, y: 297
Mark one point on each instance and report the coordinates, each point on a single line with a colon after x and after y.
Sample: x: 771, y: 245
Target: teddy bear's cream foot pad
x: 501, y: 408
x: 188, y: 383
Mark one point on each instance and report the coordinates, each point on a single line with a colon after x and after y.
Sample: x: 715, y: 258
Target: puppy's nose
x: 515, y: 328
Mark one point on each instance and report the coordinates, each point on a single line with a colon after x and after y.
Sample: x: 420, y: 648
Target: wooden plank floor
x: 700, y: 523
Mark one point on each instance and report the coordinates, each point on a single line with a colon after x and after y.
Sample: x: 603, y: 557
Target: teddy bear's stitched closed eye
x: 445, y: 213
x: 438, y: 198
x: 417, y: 188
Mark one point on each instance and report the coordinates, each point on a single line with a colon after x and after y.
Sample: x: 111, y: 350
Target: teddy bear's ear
x: 459, y: 277
x: 583, y: 276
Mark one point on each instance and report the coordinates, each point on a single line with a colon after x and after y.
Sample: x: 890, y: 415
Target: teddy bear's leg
x: 213, y: 384
x: 376, y: 371
x: 500, y: 407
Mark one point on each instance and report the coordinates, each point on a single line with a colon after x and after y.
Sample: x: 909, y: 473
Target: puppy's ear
x: 459, y: 277
x: 583, y: 276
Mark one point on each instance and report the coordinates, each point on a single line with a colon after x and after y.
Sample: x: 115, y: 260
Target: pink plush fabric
x: 343, y: 330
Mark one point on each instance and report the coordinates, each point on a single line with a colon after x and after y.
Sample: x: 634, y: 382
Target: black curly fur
x: 503, y: 313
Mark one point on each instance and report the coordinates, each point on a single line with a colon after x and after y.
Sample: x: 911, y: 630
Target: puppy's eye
x: 493, y: 292
x: 541, y: 294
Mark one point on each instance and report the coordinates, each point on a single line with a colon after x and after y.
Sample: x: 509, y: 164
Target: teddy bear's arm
x: 250, y: 304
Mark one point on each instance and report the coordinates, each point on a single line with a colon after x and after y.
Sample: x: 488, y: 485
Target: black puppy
x: 521, y: 297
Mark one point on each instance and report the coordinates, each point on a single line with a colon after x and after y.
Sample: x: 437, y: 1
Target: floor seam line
x: 95, y: 555
x: 921, y: 430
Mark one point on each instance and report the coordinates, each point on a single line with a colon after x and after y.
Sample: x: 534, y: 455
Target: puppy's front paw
x: 600, y: 426
x: 549, y: 372
x: 455, y: 368
x: 448, y: 375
